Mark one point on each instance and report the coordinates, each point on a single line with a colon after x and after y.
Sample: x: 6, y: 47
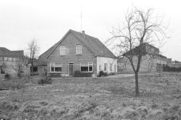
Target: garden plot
x: 95, y: 99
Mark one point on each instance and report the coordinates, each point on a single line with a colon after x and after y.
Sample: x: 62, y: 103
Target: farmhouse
x: 152, y: 60
x: 8, y: 61
x: 77, y: 51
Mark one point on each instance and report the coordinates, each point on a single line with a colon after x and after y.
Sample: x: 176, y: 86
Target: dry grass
x: 94, y: 99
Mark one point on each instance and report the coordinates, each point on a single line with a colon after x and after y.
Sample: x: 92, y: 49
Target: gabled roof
x: 136, y: 51
x: 140, y: 49
x: 159, y: 55
x: 8, y: 53
x: 93, y: 44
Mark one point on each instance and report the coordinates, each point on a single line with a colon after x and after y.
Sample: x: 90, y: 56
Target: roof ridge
x: 6, y: 52
x: 55, y: 45
x: 93, y: 44
x: 83, y: 41
x: 94, y: 39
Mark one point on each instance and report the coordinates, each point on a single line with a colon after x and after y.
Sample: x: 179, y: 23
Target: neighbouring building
x: 33, y: 70
x: 152, y: 61
x: 9, y: 61
x: 174, y: 64
x: 77, y: 51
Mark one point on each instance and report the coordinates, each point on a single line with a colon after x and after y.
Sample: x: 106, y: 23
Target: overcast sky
x: 48, y: 21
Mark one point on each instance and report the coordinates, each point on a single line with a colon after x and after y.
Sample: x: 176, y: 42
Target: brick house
x: 77, y: 51
x: 152, y: 61
x: 8, y: 61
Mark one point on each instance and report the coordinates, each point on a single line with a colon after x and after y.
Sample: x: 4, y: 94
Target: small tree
x: 33, y: 49
x: 19, y: 65
x: 140, y: 27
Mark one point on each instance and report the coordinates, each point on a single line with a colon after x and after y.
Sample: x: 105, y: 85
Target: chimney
x: 83, y: 32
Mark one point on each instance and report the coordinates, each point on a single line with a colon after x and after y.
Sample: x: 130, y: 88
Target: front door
x: 70, y: 68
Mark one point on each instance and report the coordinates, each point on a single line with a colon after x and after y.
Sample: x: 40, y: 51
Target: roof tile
x: 92, y: 43
x: 9, y: 53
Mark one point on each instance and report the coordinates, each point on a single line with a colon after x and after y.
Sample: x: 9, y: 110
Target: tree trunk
x: 136, y: 84
x: 32, y: 66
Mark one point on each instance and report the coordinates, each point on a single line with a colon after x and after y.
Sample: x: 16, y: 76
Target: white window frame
x: 99, y: 67
x: 9, y: 58
x: 90, y: 64
x: 54, y: 65
x: 115, y: 68
x: 5, y: 58
x: 87, y: 65
x: 78, y: 49
x: 14, y: 59
x: 111, y: 67
x: 105, y: 66
x: 62, y: 50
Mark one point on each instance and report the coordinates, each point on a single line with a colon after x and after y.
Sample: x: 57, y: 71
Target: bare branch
x: 140, y: 27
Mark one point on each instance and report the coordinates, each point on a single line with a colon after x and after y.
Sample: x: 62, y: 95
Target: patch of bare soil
x: 107, y: 98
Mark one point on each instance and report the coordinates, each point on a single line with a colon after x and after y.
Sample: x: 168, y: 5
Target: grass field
x: 105, y: 98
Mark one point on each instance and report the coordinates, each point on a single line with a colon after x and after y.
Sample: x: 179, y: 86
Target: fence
x: 167, y: 68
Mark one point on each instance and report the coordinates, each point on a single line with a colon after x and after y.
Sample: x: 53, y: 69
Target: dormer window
x: 62, y: 50
x: 78, y: 49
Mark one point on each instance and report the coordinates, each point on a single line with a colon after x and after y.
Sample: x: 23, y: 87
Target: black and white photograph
x: 90, y: 60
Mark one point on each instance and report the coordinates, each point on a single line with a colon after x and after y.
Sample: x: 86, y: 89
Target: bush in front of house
x: 77, y: 73
x: 54, y: 75
x: 45, y: 80
x: 102, y: 73
x: 7, y: 76
x: 112, y: 73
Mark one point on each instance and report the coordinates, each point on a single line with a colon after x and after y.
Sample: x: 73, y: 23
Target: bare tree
x: 140, y: 27
x: 33, y: 49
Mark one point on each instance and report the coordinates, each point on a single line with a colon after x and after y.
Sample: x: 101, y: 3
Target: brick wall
x: 70, y: 41
x: 147, y: 65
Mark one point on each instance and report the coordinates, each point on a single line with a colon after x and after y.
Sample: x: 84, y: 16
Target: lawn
x: 104, y: 98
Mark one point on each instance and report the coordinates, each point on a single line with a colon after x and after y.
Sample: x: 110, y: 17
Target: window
x: 5, y: 58
x: 14, y: 59
x: 86, y: 67
x: 62, y: 50
x: 18, y: 59
x: 78, y: 49
x: 105, y: 66
x: 52, y: 67
x: 110, y: 67
x: 99, y: 67
x: 55, y: 67
x: 9, y: 59
x: 115, y: 68
x: 2, y: 70
x: 90, y: 67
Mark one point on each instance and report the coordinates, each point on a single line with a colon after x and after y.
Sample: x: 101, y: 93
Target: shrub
x: 45, y: 80
x: 6, y: 85
x: 55, y: 74
x: 20, y: 75
x: 7, y: 76
x: 112, y: 73
x: 102, y: 73
x: 77, y: 73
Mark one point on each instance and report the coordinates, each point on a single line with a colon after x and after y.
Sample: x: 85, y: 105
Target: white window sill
x: 55, y: 72
x: 87, y: 71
